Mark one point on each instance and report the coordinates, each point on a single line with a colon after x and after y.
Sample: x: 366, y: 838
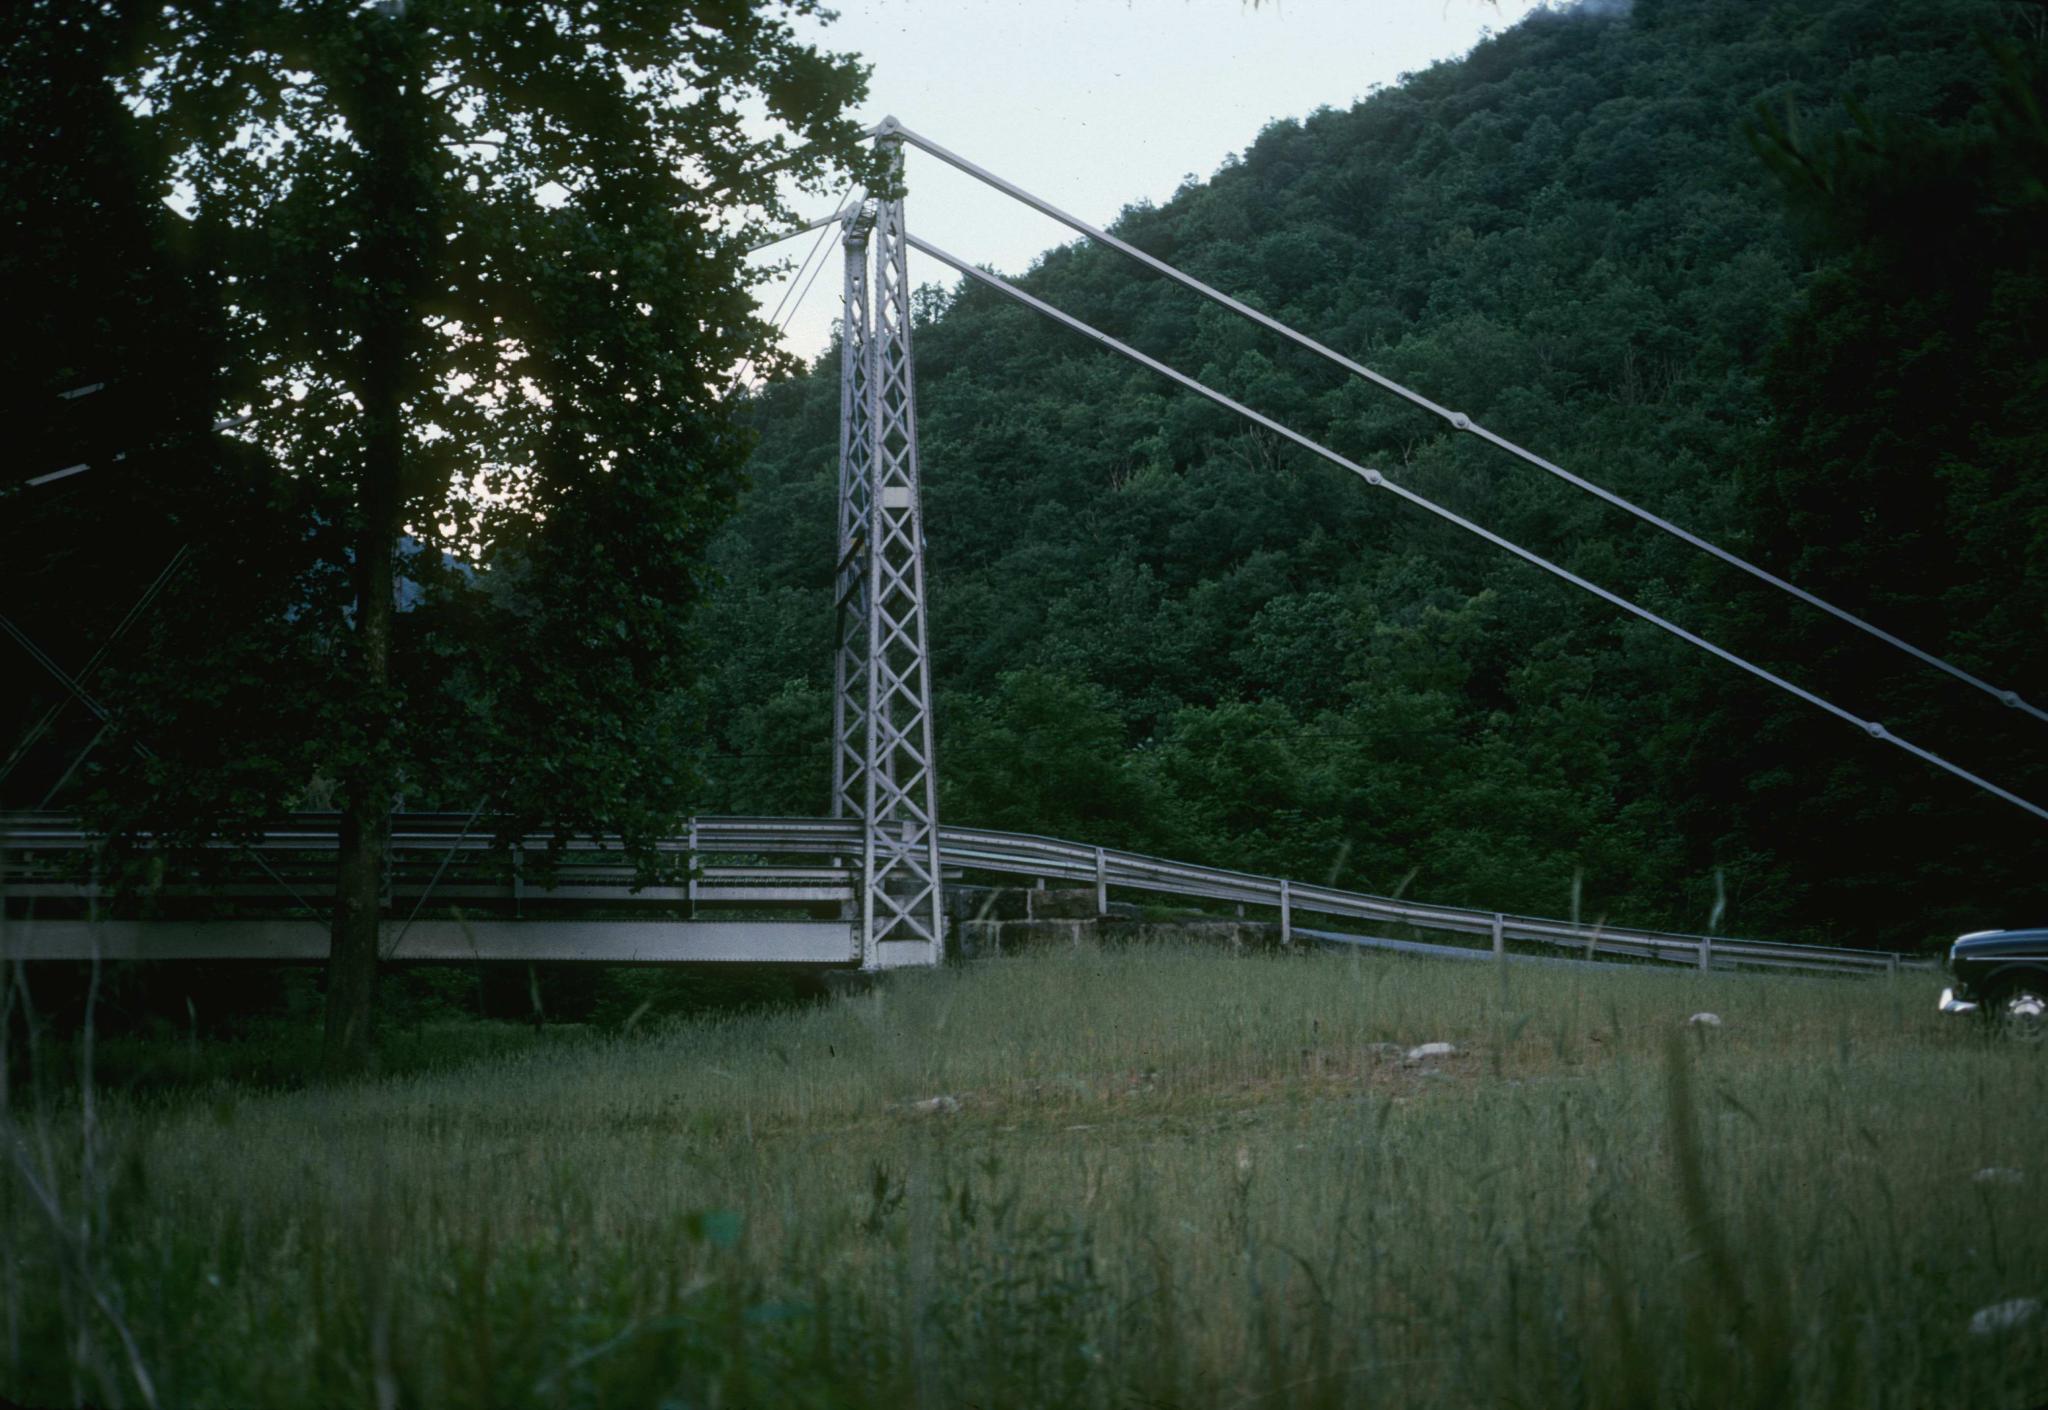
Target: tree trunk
x: 353, y: 943
x: 370, y: 783
x: 394, y: 209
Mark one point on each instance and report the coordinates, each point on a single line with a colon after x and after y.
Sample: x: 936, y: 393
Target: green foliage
x: 1044, y: 753
x: 1904, y: 464
x: 480, y: 271
x: 108, y: 290
x: 470, y: 265
x: 1826, y: 360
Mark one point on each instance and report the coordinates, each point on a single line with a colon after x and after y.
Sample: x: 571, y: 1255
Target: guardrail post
x: 519, y: 879
x: 1286, y: 916
x: 691, y: 866
x: 1892, y: 964
x: 1706, y: 952
x: 1101, y: 883
x: 1500, y: 933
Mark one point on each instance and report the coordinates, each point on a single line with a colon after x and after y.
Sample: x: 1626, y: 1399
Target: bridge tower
x: 883, y: 768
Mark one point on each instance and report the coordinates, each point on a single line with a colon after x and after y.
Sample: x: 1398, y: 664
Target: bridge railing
x: 727, y: 859
x: 1107, y: 868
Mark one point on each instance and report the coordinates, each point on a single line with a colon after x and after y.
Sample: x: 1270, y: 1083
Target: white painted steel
x: 795, y: 230
x: 1020, y: 854
x: 793, y: 942
x: 884, y: 702
x: 850, y: 587
x: 25, y: 837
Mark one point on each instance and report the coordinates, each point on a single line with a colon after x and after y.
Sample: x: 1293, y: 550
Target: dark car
x: 2002, y: 974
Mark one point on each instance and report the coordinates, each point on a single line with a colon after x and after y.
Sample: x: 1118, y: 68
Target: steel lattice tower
x: 850, y: 588
x: 884, y: 771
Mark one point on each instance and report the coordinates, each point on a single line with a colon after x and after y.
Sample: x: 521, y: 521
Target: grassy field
x: 1123, y: 1179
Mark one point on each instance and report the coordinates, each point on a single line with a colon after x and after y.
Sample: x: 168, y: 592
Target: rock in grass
x: 936, y: 1106
x: 2007, y: 1316
x: 1999, y: 1175
x: 1424, y: 1051
x: 1705, y: 1020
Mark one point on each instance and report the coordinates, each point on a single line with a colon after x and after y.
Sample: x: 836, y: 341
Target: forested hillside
x: 1772, y: 270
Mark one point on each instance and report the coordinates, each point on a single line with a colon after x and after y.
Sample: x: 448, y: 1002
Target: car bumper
x: 1951, y: 1004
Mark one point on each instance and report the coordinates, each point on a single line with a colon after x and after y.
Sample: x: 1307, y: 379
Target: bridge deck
x: 738, y: 865
x: 793, y: 942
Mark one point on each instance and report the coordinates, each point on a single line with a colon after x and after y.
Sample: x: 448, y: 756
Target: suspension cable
x: 824, y: 228
x: 1379, y: 481
x: 790, y: 234
x: 1457, y: 420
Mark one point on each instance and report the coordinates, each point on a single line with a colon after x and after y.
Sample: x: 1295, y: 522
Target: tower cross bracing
x: 884, y: 769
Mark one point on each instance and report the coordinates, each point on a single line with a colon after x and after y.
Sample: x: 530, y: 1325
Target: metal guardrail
x: 445, y: 858
x: 709, y: 853
x: 1106, y: 868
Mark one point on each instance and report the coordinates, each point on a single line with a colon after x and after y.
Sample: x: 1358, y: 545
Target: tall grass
x: 1159, y: 1178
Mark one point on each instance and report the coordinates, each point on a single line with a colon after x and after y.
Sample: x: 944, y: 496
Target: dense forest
x: 1772, y: 270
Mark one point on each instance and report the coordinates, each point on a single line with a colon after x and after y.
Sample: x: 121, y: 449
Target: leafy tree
x: 1903, y: 467
x: 1044, y: 753
x: 100, y: 283
x: 480, y: 269
x: 1569, y: 235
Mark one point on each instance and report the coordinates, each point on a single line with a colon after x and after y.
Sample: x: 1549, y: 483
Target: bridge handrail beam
x: 1051, y: 858
x: 1032, y: 854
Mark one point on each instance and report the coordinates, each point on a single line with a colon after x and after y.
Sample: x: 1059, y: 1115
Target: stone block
x: 981, y: 939
x: 1238, y: 935
x: 975, y: 939
x: 1063, y: 903
x: 972, y: 903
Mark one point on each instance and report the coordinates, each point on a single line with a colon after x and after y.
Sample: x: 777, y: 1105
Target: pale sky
x: 1095, y: 104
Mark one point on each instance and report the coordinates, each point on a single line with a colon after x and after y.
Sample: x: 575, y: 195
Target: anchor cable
x: 1379, y: 480
x: 1457, y: 420
x: 824, y: 229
